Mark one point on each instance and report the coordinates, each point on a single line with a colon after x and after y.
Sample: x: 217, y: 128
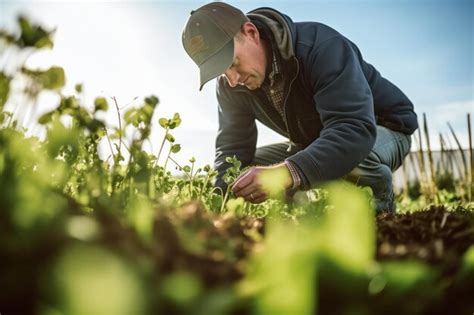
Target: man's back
x: 392, y: 107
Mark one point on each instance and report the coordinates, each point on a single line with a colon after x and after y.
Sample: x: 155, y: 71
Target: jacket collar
x: 282, y: 27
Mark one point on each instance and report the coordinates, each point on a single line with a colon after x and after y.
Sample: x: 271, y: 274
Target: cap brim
x: 217, y: 64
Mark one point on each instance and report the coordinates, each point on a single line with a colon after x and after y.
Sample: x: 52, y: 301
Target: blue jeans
x: 375, y: 171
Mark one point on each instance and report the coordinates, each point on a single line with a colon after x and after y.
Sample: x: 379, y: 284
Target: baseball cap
x: 208, y: 38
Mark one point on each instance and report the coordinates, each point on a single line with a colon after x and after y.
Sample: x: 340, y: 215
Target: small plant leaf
x: 100, y: 103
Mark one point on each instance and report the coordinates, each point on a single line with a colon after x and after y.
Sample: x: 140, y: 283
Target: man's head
x: 221, y: 40
x: 249, y: 62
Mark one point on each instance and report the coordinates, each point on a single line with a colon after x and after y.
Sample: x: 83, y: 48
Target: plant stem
x: 224, y: 201
x: 161, y: 147
x: 167, y: 158
x: 172, y: 160
x: 459, y: 147
x: 471, y: 158
x: 110, y: 143
x: 203, y: 186
x: 191, y: 180
x: 430, y: 160
x: 443, y: 165
x: 120, y: 124
x: 421, y: 164
x: 461, y: 151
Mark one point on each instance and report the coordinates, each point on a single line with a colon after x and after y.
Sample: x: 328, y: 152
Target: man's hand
x: 261, y: 182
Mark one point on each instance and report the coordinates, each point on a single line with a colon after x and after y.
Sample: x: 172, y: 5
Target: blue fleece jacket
x: 333, y: 101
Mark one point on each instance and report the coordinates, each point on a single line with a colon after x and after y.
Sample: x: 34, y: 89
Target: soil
x: 215, y: 247
x: 439, y: 238
x: 210, y: 245
x: 435, y: 235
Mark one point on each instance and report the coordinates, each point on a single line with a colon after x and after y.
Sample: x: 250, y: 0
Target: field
x: 80, y: 234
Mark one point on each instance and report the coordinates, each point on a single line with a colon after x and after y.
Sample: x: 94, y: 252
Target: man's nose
x: 232, y: 77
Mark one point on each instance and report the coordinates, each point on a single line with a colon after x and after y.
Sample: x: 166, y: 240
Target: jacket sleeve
x: 237, y: 134
x: 344, y: 102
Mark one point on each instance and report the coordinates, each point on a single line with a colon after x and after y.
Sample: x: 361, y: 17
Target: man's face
x: 250, y: 62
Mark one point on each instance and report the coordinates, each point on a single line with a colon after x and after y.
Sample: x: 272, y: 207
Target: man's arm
x: 237, y: 133
x: 344, y: 101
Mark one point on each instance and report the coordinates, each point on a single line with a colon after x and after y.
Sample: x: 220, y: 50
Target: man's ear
x: 250, y: 30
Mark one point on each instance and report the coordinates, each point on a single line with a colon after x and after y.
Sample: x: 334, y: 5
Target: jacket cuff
x: 306, y: 168
x: 294, y: 174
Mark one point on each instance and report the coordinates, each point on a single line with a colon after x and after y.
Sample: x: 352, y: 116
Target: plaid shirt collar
x: 275, y: 64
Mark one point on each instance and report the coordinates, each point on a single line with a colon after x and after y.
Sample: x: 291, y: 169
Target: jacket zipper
x: 284, y: 104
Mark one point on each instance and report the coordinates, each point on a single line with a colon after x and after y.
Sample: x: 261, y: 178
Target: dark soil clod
x: 436, y: 235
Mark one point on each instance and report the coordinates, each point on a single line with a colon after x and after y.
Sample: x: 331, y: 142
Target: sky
x: 133, y: 49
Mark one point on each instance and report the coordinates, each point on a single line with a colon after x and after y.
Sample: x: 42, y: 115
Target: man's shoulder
x: 310, y: 34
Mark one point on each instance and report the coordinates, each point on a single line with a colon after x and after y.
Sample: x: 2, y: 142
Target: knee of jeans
x: 384, y: 189
x: 383, y: 180
x: 385, y: 174
x: 378, y: 179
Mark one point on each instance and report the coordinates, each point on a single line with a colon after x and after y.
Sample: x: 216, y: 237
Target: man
x: 308, y: 83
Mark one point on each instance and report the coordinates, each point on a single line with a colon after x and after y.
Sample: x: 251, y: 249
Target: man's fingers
x: 251, y: 188
x: 260, y: 200
x: 256, y: 197
x: 242, y: 181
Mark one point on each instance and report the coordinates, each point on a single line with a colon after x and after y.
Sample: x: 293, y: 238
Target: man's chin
x: 253, y: 86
